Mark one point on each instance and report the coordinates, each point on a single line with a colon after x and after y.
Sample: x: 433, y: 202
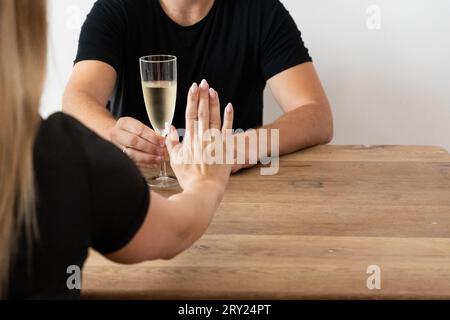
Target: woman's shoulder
x: 59, y: 140
x: 61, y: 122
x: 65, y: 137
x: 61, y: 134
x: 63, y: 128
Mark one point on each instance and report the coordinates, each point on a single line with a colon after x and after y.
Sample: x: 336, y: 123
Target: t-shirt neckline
x: 195, y: 25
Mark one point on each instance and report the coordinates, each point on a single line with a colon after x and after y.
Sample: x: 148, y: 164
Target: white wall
x: 385, y: 65
x: 65, y: 18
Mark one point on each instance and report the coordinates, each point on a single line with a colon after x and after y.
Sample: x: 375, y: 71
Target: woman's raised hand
x: 202, y: 157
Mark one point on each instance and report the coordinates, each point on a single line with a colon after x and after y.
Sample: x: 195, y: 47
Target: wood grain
x: 371, y: 153
x: 284, y: 267
x: 311, y: 232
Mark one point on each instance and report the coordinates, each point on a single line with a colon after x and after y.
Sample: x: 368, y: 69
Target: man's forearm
x: 90, y: 112
x: 298, y: 129
x: 303, y: 127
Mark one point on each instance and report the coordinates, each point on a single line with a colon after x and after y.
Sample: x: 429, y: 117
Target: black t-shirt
x: 89, y: 195
x: 237, y: 47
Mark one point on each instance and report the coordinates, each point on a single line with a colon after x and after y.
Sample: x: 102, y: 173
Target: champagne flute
x: 159, y: 85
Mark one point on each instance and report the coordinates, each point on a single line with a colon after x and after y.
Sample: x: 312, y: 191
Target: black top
x: 89, y: 194
x: 237, y: 47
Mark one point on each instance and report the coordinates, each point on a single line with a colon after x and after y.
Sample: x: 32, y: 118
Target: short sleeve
x: 281, y: 46
x: 103, y: 34
x: 119, y: 195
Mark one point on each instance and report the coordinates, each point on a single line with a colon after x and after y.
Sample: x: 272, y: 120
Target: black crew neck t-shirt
x: 237, y: 47
x: 89, y: 195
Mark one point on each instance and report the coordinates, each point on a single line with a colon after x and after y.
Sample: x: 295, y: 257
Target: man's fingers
x: 215, y: 120
x: 203, y: 108
x: 126, y: 139
x: 192, y: 110
x: 142, y: 157
x: 139, y: 129
x: 228, y: 119
x: 151, y: 136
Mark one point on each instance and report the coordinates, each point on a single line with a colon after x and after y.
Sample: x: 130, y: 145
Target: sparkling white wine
x: 160, y: 99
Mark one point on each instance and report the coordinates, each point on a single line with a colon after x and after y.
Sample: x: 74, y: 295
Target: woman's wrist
x: 207, y: 186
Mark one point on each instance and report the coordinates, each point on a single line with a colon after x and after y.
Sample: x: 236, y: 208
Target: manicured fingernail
x: 229, y: 108
x: 212, y: 93
x: 204, y: 84
x: 194, y: 88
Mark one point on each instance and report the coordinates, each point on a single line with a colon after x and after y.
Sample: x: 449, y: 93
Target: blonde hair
x: 23, y: 45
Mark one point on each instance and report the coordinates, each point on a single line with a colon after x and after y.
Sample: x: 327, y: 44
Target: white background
x: 387, y: 75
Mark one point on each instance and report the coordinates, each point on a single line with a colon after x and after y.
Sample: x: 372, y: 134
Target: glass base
x: 162, y: 182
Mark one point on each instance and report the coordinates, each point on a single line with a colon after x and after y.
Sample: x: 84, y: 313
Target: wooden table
x: 311, y: 232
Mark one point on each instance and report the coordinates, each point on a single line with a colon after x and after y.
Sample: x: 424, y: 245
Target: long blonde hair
x: 23, y: 35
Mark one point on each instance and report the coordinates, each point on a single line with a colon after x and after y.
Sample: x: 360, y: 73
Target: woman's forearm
x: 172, y: 225
x: 192, y: 212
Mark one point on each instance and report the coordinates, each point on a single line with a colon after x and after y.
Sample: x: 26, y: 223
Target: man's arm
x: 87, y: 93
x: 86, y: 97
x: 308, y: 119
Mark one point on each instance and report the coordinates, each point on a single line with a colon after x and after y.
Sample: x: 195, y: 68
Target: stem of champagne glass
x: 162, y: 166
x: 163, y: 169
